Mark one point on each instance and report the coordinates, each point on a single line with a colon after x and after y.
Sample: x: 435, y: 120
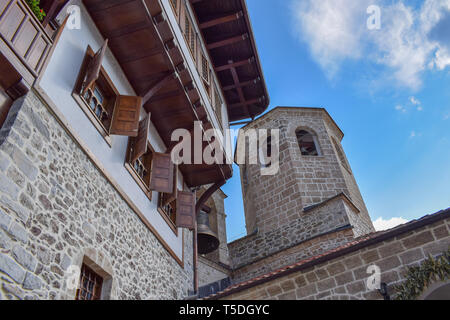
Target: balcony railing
x: 24, y: 34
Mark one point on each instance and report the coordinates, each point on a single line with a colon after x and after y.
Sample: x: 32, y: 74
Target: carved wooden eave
x: 142, y: 41
x: 228, y: 35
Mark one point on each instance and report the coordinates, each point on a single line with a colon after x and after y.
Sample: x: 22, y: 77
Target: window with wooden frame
x: 90, y: 287
x: 174, y: 6
x: 140, y: 156
x: 167, y: 203
x: 189, y: 33
x: 169, y: 209
x: 205, y: 70
x: 110, y: 112
x: 218, y: 105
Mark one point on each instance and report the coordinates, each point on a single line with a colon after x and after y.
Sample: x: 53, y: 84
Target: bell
x: 207, y: 240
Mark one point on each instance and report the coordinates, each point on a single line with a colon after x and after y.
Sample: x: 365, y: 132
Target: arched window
x: 307, y: 143
x: 265, y: 157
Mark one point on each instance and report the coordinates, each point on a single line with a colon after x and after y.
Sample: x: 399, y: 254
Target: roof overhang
x: 228, y: 35
x: 143, y: 43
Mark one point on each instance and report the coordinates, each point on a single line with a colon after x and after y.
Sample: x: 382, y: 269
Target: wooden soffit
x: 228, y: 35
x: 143, y: 44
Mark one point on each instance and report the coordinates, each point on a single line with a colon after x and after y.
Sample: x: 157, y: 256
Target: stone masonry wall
x: 210, y: 272
x: 314, y: 223
x: 55, y: 206
x: 345, y: 277
x: 292, y: 255
x: 364, y: 224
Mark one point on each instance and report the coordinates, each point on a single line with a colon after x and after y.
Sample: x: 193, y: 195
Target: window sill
x: 100, y: 128
x: 168, y: 221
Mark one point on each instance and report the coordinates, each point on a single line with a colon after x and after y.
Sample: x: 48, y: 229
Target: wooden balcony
x: 25, y: 42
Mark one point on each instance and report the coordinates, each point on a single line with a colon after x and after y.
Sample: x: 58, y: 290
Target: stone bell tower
x: 313, y: 197
x: 313, y: 169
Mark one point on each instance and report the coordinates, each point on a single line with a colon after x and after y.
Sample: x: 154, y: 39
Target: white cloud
x: 409, y: 42
x: 380, y: 224
x: 400, y: 108
x: 328, y: 26
x: 414, y: 101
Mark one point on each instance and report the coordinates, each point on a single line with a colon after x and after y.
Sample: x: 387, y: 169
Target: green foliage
x: 419, y: 277
x: 35, y: 7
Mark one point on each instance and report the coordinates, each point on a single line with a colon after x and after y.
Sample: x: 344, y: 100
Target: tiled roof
x: 332, y: 254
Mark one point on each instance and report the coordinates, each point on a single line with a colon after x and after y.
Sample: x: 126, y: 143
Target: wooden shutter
x: 186, y: 210
x: 169, y: 197
x: 161, y: 176
x: 93, y: 70
x: 140, y: 142
x: 125, y: 121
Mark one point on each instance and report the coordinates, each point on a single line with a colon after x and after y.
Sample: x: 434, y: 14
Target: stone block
x: 8, y: 187
x: 13, y: 206
x: 5, y: 220
x: 336, y: 268
x: 287, y: 285
x: 388, y: 263
x: 300, y: 281
x: 353, y: 261
x: 440, y: 232
x: 5, y: 242
x: 11, y: 268
x: 326, y: 284
x: 4, y: 162
x: 32, y: 282
x: 417, y: 240
x: 370, y: 256
x: 273, y: 291
x: 18, y: 232
x: 390, y: 249
x: 356, y: 287
x: 23, y: 163
x: 287, y: 296
x: 436, y: 248
x: 411, y: 256
x: 24, y: 258
x: 306, y: 291
x: 345, y: 278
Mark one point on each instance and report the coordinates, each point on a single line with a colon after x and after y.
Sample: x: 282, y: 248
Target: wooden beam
x: 207, y: 194
x: 161, y: 83
x: 164, y: 96
x: 236, y: 81
x: 246, y: 103
x: 225, y: 19
x: 235, y: 64
x: 227, y: 42
x: 241, y: 84
x: 239, y: 89
x: 127, y: 30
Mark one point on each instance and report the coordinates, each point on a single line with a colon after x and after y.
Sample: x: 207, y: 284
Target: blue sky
x: 387, y: 89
